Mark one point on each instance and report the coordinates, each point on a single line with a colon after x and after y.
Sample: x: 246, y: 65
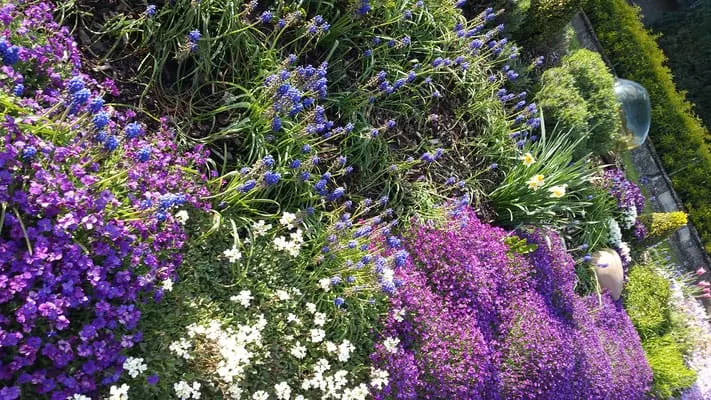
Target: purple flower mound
x: 85, y: 236
x: 442, y: 353
x: 539, y: 353
x: 475, y: 320
x: 631, y: 375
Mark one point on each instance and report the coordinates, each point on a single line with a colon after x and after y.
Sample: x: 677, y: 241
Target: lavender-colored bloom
x: 144, y: 153
x: 18, y: 90
x: 29, y: 152
x: 482, y: 320
x: 247, y: 186
x: 271, y: 178
x: 266, y: 17
x: 194, y: 36
x: 151, y: 10
x: 133, y: 130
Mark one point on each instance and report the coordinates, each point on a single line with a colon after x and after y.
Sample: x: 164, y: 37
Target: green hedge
x: 686, y: 40
x: 546, y: 18
x: 682, y: 141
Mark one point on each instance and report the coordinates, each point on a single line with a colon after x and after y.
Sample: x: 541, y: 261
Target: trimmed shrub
x: 595, y: 84
x: 661, y: 226
x: 646, y: 298
x: 563, y: 107
x: 679, y: 137
x: 671, y: 374
x: 578, y: 97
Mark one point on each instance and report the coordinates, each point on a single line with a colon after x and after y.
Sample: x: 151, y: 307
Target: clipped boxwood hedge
x: 682, y: 141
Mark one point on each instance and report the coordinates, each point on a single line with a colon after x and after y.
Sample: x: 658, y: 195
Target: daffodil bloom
x: 557, y: 191
x: 528, y: 159
x: 535, y: 182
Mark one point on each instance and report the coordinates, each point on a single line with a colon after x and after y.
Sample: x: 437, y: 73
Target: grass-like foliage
x: 547, y: 186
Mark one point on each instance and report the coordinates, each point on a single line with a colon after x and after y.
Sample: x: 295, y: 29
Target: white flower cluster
x: 629, y: 217
x: 180, y: 348
x: 235, y: 346
x: 291, y: 244
x: 234, y: 353
x: 186, y: 391
x: 118, y: 392
x: 614, y: 237
x: 134, y: 366
x: 232, y: 255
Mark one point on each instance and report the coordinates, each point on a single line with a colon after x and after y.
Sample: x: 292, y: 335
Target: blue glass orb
x: 636, y: 110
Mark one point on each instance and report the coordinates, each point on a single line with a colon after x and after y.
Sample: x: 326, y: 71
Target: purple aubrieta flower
x: 152, y: 380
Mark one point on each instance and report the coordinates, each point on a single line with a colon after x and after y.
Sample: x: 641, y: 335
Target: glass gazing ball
x: 636, y: 111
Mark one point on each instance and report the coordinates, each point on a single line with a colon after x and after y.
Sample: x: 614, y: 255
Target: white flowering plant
x: 279, y: 307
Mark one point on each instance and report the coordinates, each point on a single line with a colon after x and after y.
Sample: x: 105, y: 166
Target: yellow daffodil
x: 535, y: 182
x: 557, y: 191
x: 528, y: 159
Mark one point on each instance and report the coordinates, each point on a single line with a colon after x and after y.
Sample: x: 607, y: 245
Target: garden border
x: 686, y: 242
